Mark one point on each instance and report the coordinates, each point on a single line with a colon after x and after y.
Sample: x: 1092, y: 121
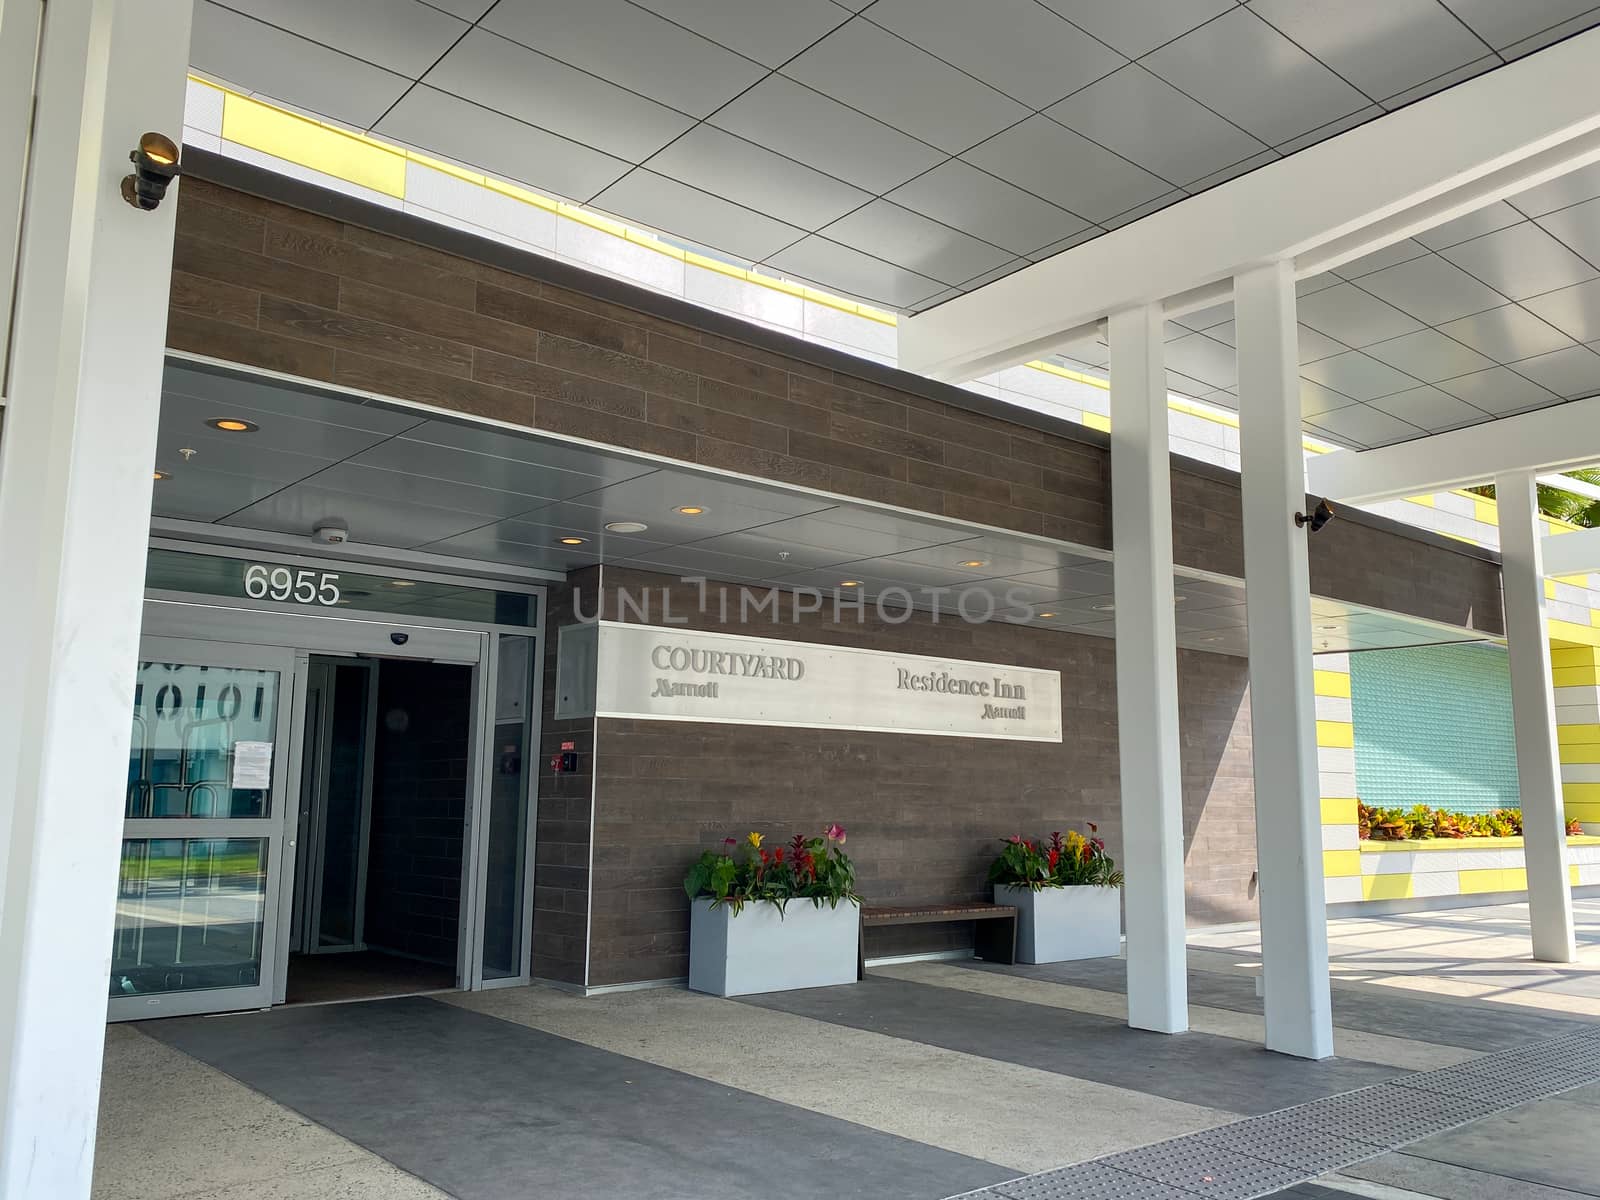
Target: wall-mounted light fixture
x: 1319, y: 517
x: 155, y: 165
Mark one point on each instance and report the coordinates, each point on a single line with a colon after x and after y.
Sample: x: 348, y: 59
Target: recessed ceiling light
x: 160, y: 475
x: 1215, y: 637
x: 849, y: 583
x: 1104, y: 607
x: 626, y: 526
x: 573, y: 541
x: 690, y: 510
x: 1329, y: 628
x: 1046, y: 616
x: 402, y: 583
x: 973, y: 562
x: 233, y: 425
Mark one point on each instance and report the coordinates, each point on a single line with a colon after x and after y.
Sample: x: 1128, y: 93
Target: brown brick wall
x: 353, y: 299
x: 924, y: 814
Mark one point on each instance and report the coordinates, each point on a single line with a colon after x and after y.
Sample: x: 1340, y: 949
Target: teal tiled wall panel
x: 1433, y: 726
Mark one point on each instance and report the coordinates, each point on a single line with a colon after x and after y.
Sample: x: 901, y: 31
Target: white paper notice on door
x: 252, y: 765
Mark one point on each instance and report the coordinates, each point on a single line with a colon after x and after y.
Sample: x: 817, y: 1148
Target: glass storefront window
x: 202, y: 741
x: 190, y: 915
x: 301, y: 587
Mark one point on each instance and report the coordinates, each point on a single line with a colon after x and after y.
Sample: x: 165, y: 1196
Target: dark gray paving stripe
x: 1442, y: 1022
x: 1197, y: 1068
x: 489, y: 1110
x: 1265, y: 1155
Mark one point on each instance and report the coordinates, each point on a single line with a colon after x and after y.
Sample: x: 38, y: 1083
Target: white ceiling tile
x: 405, y: 36
x: 1232, y: 171
x: 426, y: 460
x: 1130, y: 215
x: 261, y: 58
x: 1136, y: 27
x: 769, y: 33
x: 1432, y: 290
x: 678, y: 209
x: 1017, y: 46
x: 384, y: 522
x: 467, y: 10
x: 755, y: 177
x: 1000, y: 272
x: 1439, y: 82
x: 910, y: 240
x: 1147, y: 120
x: 630, y: 47
x: 1574, y: 310
x: 1314, y: 345
x: 831, y: 265
x: 198, y: 494
x: 1507, y: 333
x: 1084, y: 235
x: 446, y: 125
x: 1578, y: 227
x: 1500, y: 24
x: 1331, y: 129
x: 1548, y: 37
x: 1561, y: 192
x: 1431, y: 409
x: 1202, y: 357
x: 1358, y: 376
x: 1349, y: 315
x: 1246, y: 70
x: 1316, y: 400
x: 814, y: 129
x: 1470, y: 225
x: 975, y: 201
x: 885, y: 77
x: 1571, y: 373
x: 1049, y: 160
x: 505, y: 75
x: 1382, y: 48
x: 1521, y: 261
x: 1429, y: 355
x: 1499, y: 391
x: 1367, y: 426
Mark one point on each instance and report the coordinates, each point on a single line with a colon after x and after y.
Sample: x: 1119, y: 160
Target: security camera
x: 1319, y: 517
x: 331, y: 533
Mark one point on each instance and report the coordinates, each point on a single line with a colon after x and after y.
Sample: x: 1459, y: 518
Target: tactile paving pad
x: 1261, y: 1155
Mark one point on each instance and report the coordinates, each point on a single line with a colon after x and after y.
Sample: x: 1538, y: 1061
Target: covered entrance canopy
x: 428, y: 488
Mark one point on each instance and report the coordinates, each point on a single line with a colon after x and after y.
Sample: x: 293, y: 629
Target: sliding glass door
x: 202, y: 852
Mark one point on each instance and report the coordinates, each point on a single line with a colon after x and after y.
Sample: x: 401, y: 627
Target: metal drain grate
x: 1260, y: 1155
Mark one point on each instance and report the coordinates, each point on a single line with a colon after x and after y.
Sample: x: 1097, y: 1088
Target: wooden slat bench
x: 994, y: 930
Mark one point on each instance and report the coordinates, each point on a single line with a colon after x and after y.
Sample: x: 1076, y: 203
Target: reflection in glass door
x: 202, y: 840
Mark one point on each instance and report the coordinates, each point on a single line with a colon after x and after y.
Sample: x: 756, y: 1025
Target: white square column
x: 1283, y: 718
x: 83, y: 396
x: 1147, y: 674
x: 1533, y: 718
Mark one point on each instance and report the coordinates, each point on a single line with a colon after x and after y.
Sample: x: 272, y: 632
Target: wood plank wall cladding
x: 323, y: 286
x: 924, y: 814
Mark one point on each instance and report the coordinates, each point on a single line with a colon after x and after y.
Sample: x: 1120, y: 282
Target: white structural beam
x: 1283, y: 726
x: 1546, y: 440
x: 1456, y: 151
x: 75, y: 482
x: 1147, y: 675
x: 1533, y: 718
x: 19, y: 49
x: 1574, y: 553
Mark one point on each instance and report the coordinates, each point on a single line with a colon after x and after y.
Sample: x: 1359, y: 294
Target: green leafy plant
x: 815, y: 869
x: 1421, y: 823
x: 1070, y: 860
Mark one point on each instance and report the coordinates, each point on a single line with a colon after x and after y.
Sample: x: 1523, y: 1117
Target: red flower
x: 1015, y: 840
x: 835, y: 833
x: 1054, y: 856
x: 778, y: 857
x: 1093, y: 828
x: 1087, y: 852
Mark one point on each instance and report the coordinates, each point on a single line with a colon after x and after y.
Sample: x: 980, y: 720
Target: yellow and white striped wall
x: 1336, y: 771
x: 1575, y: 672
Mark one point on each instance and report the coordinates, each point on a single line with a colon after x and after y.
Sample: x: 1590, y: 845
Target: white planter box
x: 1060, y: 924
x: 760, y: 951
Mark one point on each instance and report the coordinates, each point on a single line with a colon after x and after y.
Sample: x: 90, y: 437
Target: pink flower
x: 835, y: 833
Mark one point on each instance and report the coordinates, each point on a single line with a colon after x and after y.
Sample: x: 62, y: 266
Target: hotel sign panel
x: 646, y: 671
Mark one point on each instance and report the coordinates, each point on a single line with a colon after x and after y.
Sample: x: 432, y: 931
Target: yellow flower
x: 755, y: 840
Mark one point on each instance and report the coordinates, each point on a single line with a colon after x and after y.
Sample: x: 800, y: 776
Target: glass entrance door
x: 202, y: 850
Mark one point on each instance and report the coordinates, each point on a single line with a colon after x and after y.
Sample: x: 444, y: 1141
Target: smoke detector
x: 331, y: 533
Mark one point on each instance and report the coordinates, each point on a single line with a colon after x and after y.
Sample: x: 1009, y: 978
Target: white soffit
x: 986, y: 136
x: 1414, y: 169
x: 1574, y: 553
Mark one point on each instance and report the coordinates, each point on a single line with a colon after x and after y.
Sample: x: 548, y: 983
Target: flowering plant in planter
x: 815, y: 869
x: 1066, y: 860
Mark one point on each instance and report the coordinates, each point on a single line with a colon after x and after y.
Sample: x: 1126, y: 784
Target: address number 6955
x: 303, y: 586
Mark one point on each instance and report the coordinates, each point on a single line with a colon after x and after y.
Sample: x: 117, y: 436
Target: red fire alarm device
x: 565, y: 762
